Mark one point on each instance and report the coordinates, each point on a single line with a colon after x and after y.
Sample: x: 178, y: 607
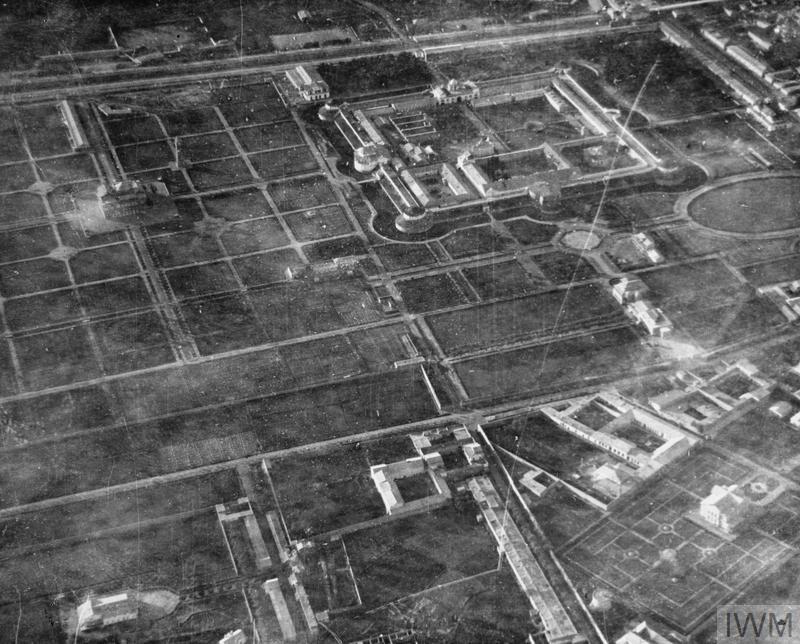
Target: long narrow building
x: 558, y: 626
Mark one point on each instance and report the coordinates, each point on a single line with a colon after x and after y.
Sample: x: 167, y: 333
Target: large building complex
x: 389, y: 140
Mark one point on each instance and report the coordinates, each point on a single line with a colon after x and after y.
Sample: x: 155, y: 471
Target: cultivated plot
x: 541, y: 315
x: 545, y: 368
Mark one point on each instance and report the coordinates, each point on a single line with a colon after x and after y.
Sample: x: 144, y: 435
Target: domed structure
x: 368, y: 157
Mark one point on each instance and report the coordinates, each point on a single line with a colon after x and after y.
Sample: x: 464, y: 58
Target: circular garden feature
x: 581, y: 240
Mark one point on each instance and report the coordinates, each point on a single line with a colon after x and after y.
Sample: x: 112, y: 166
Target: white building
x: 75, y: 133
x: 723, y: 508
x: 309, y: 83
x: 385, y: 477
x: 628, y: 289
x: 611, y: 479
x: 642, y: 634
x: 234, y: 637
x: 456, y: 92
x: 650, y: 317
x: 529, y: 482
x: 474, y: 454
x: 647, y: 247
x: 98, y: 612
x: 782, y: 409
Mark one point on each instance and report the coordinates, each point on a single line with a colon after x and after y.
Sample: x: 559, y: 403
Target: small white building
x: 642, y: 633
x: 529, y: 482
x: 647, y: 246
x: 610, y: 480
x: 474, y: 454
x: 98, y: 612
x: 723, y: 508
x: 628, y: 289
x: 75, y: 133
x: 456, y: 92
x: 309, y: 83
x: 652, y: 318
x: 782, y: 409
x: 234, y: 637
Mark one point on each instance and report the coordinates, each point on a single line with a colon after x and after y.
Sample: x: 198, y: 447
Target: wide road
x: 21, y: 88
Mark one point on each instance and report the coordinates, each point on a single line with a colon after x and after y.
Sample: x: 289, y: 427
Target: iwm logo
x: 742, y: 624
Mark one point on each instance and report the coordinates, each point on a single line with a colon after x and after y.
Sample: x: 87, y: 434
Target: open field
x: 266, y: 137
x: 266, y: 268
x: 429, y: 16
x: 299, y: 194
x: 327, y: 576
x: 220, y: 174
x: 561, y: 514
x: 478, y: 610
x: 774, y: 445
x: 529, y: 233
x: 774, y: 272
x: 544, y: 314
x: 237, y: 205
x: 190, y: 121
x: 479, y: 240
x: 501, y: 279
x: 439, y: 291
x: 119, y: 509
x: 732, y: 207
x: 565, y: 268
x: 411, y: 554
x: 145, y: 156
x: 677, y: 86
x: 44, y: 131
x: 396, y: 257
x: 558, y: 364
x: 19, y: 207
x: 503, y: 62
x: 334, y: 248
x: 722, y: 143
x: 31, y: 276
x: 539, y: 441
x: 177, y: 554
x: 708, y: 302
x: 253, y: 236
x: 203, y: 147
x: 235, y: 430
x: 276, y: 164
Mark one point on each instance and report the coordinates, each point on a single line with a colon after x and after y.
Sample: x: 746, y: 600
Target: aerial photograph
x: 399, y: 321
